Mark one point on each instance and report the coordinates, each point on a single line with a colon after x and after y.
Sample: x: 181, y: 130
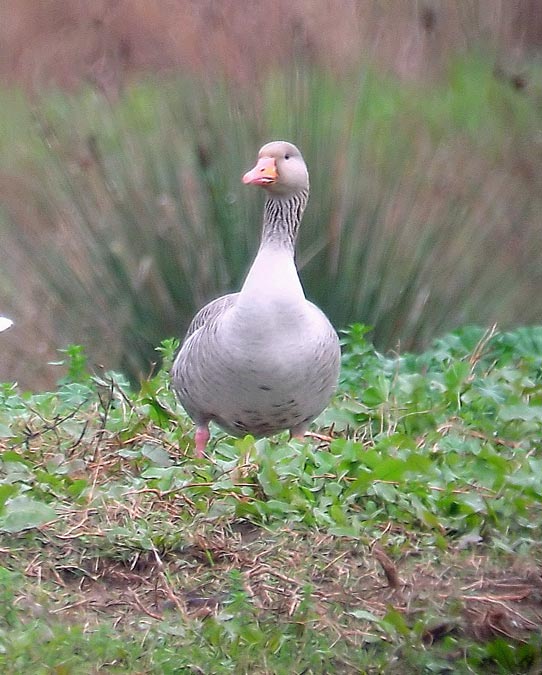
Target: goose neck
x: 282, y: 216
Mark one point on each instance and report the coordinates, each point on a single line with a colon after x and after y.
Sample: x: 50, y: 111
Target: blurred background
x: 126, y: 126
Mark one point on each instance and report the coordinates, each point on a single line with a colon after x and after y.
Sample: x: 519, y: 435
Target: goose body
x: 264, y: 359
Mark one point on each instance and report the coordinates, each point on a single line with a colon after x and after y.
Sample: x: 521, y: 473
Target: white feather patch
x: 5, y: 323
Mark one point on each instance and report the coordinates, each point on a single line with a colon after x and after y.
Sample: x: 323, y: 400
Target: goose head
x: 280, y: 169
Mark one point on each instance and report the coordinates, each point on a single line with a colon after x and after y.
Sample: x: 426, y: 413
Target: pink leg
x: 302, y: 433
x: 201, y: 437
x: 319, y: 437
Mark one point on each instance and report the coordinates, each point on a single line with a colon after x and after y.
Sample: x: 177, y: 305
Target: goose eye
x: 286, y: 156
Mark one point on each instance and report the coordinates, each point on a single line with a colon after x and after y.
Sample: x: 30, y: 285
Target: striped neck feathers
x: 281, y: 219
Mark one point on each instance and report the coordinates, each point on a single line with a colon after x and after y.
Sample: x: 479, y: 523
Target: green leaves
x: 447, y: 443
x: 23, y: 513
x: 522, y: 412
x: 431, y: 454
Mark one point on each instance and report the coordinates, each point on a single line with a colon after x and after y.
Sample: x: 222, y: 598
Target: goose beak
x: 264, y: 173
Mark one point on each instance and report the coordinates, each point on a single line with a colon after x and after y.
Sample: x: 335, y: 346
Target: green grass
x: 424, y: 212
x: 409, y: 542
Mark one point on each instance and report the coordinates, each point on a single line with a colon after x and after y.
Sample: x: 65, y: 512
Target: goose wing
x: 210, y: 313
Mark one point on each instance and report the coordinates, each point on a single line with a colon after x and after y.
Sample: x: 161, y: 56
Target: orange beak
x: 264, y: 173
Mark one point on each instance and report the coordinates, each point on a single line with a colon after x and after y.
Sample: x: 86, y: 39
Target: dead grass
x: 130, y: 554
x: 66, y: 42
x: 462, y: 592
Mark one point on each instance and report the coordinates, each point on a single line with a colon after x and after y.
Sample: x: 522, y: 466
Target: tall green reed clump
x: 424, y: 211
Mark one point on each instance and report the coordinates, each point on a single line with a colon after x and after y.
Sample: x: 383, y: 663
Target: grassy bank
x: 408, y: 542
x: 126, y: 216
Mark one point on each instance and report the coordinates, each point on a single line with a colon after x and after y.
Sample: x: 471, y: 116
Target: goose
x: 265, y: 359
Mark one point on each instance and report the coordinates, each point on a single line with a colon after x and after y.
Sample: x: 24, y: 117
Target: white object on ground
x: 5, y: 323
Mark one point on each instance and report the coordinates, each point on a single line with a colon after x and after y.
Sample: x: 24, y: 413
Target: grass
x: 424, y: 212
x: 408, y: 542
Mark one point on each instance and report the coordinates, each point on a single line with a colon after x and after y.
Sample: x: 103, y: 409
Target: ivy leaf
x: 524, y: 412
x: 23, y: 513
